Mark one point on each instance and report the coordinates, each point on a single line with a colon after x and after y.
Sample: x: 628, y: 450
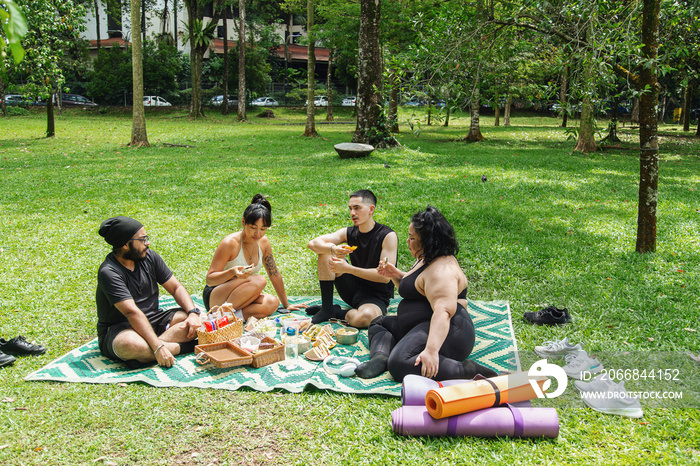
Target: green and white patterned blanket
x: 495, y: 347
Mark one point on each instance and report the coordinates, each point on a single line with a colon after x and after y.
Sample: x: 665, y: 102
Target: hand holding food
x: 243, y: 271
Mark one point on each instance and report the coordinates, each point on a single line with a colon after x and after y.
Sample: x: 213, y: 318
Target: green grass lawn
x: 549, y: 227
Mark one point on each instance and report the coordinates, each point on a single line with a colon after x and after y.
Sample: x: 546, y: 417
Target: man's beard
x: 133, y: 255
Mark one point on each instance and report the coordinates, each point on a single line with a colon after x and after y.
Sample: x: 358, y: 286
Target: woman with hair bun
x: 431, y: 334
x: 233, y: 274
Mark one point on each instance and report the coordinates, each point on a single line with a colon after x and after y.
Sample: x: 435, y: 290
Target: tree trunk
x: 447, y: 116
x: 563, y: 99
x: 310, y: 129
x: 369, y: 71
x: 143, y: 21
x: 506, y: 116
x: 241, y: 62
x: 497, y: 112
x: 224, y: 102
x: 662, y: 107
x: 687, y: 96
x: 474, y: 128
x: 648, y: 135
x: 329, y: 88
x: 50, y: 120
x: 430, y: 109
x: 175, y: 22
x: 393, y: 111
x: 3, y: 105
x: 586, y: 137
x: 612, y: 128
x: 97, y: 25
x: 634, y: 117
x: 138, y: 127
x: 196, y: 61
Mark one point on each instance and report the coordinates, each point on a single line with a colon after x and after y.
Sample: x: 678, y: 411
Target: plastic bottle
x: 291, y: 348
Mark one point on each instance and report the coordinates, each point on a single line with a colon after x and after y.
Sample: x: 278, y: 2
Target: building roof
x: 297, y: 53
x: 112, y: 41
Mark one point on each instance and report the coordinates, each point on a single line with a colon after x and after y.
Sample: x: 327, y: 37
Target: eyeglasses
x: 144, y: 240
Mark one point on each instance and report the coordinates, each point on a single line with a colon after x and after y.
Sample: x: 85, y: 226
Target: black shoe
x: 548, y: 316
x: 6, y: 359
x: 19, y: 346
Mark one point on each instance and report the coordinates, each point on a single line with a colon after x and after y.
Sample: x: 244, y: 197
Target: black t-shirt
x: 116, y: 283
x: 368, y: 254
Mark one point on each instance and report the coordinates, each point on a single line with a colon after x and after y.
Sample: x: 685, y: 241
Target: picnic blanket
x: 495, y: 347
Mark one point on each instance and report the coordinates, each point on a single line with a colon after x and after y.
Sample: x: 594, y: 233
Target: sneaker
x: 599, y: 383
x: 548, y: 316
x: 579, y: 362
x: 557, y: 349
x: 6, y: 359
x: 19, y: 346
x: 611, y: 400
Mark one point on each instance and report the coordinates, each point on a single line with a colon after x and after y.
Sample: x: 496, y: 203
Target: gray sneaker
x: 557, y: 349
x: 605, y: 396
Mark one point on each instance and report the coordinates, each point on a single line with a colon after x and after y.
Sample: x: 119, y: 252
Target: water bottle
x: 291, y: 348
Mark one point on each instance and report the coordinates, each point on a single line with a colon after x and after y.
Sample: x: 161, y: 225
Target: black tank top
x: 415, y: 308
x: 368, y: 254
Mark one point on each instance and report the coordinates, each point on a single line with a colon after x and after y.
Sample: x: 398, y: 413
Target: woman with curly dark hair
x: 233, y: 274
x: 431, y: 333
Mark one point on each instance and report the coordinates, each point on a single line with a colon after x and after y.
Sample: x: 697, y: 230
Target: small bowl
x: 304, y: 344
x: 346, y: 335
x: 249, y: 343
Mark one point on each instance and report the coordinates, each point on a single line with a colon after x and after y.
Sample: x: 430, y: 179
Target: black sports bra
x: 407, y: 287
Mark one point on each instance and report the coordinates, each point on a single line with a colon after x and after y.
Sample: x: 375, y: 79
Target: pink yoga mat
x: 504, y: 421
x: 415, y: 387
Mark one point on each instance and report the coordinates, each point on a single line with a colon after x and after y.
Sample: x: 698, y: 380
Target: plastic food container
x: 346, y: 335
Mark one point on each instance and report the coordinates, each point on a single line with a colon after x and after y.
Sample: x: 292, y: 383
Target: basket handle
x: 202, y: 359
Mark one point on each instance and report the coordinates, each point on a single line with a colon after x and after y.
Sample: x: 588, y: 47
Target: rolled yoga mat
x: 415, y: 387
x: 504, y: 421
x: 479, y: 394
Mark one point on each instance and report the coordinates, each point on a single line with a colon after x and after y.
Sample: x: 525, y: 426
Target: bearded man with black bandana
x: 130, y: 326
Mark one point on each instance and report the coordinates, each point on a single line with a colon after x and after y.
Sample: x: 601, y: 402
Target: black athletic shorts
x: 160, y: 323
x: 350, y: 290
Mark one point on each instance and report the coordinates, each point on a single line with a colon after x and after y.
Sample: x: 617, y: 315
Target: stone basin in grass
x: 350, y: 150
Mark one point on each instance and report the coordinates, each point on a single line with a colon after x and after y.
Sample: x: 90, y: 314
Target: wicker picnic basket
x: 222, y: 355
x: 229, y: 332
x: 269, y: 356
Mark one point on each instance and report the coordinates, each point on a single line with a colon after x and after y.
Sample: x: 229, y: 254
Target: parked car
x: 264, y: 102
x: 69, y: 100
x: 319, y: 101
x: 13, y: 100
x: 218, y: 100
x: 349, y: 101
x: 414, y: 102
x: 155, y: 101
x: 75, y: 100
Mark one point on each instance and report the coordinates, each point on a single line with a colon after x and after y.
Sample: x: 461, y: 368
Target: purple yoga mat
x: 504, y: 421
x: 415, y: 387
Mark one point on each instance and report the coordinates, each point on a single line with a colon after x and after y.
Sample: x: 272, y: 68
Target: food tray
x: 222, y: 355
x: 229, y: 332
x: 268, y: 356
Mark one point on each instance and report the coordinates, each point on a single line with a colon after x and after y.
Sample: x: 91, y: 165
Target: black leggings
x: 387, y: 338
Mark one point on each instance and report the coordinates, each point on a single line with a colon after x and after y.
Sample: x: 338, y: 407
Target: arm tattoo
x: 270, y: 266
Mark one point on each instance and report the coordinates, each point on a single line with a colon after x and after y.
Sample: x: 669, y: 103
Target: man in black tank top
x: 358, y: 283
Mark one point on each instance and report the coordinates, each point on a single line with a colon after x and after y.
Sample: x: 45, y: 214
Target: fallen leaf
x: 8, y: 400
x: 693, y: 357
x: 2, y: 447
x: 631, y: 310
x: 38, y: 448
x: 122, y: 384
x: 650, y: 339
x: 19, y: 408
x: 101, y: 458
x: 681, y: 271
x: 690, y: 329
x: 643, y: 423
x: 609, y: 326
